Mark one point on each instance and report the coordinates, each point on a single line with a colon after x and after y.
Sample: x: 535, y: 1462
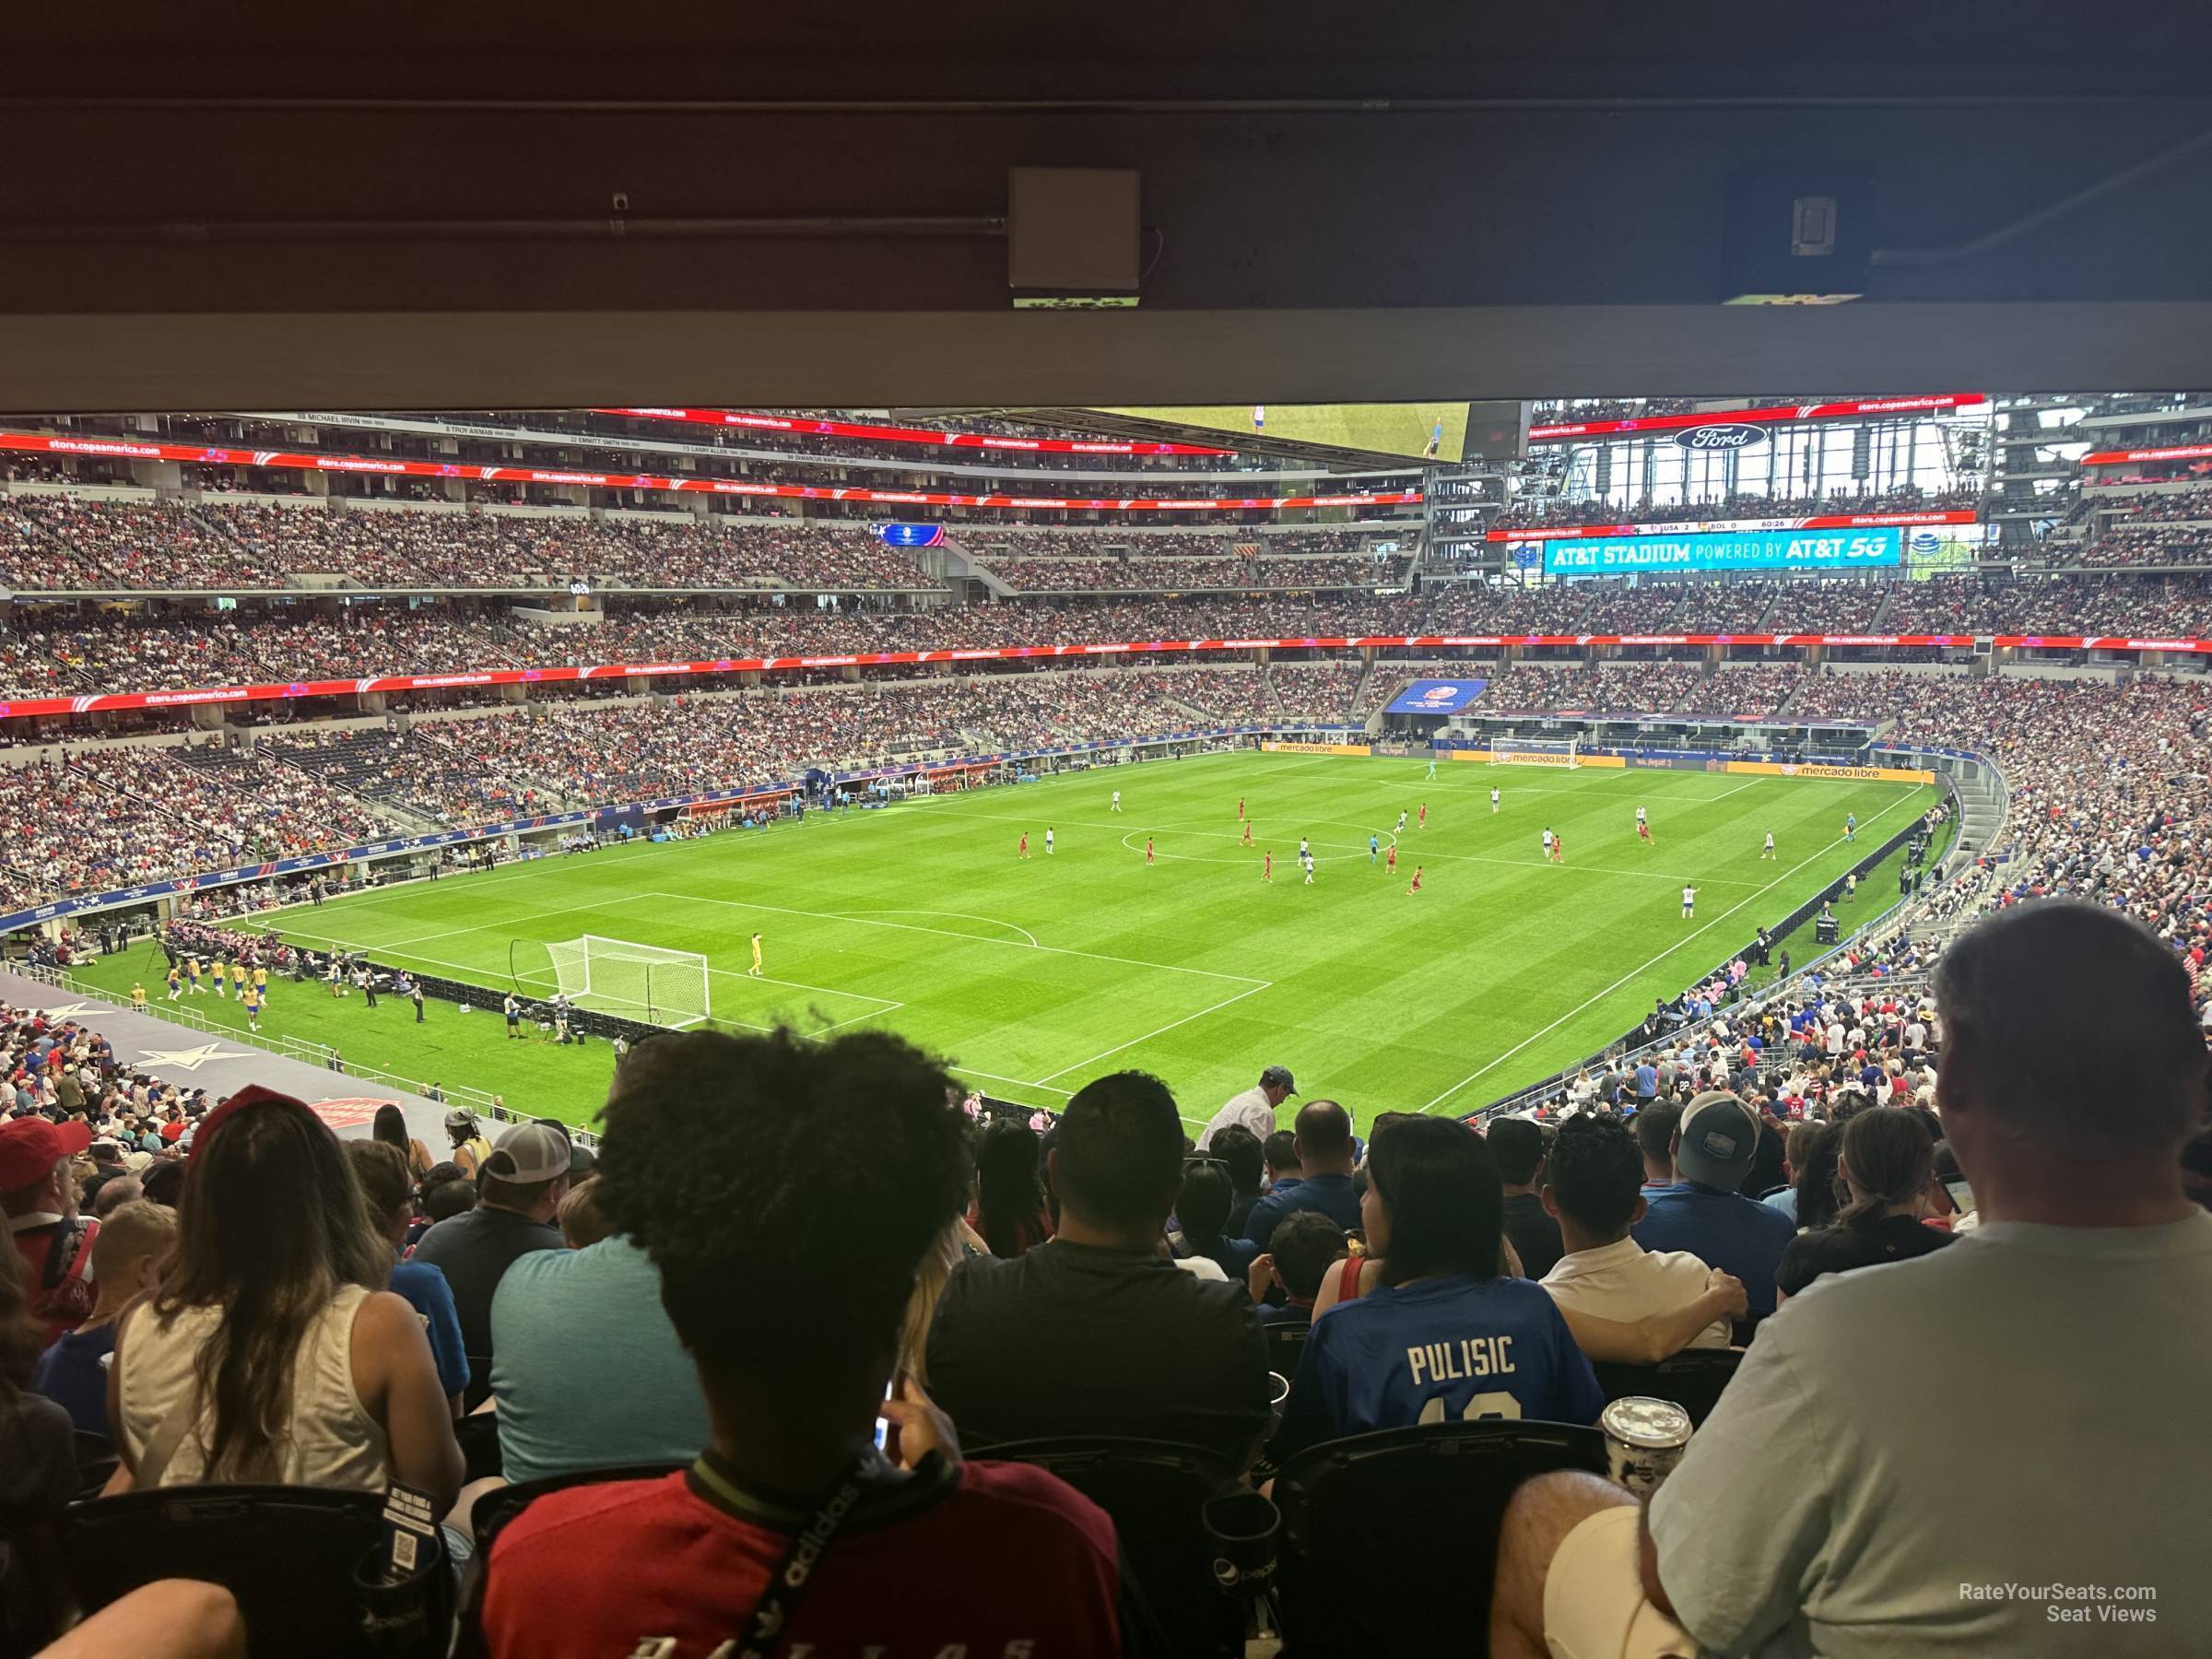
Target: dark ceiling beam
x: 419, y: 360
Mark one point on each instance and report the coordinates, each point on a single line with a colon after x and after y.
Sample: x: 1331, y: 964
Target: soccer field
x: 1034, y: 976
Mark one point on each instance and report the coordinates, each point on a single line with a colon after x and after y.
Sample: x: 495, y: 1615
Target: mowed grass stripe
x: 1040, y: 973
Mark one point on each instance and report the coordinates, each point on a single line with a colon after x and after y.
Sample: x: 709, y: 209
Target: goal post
x: 1542, y: 751
x: 639, y: 981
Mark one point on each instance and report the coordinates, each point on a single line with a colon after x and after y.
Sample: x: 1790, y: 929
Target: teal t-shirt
x: 586, y: 1368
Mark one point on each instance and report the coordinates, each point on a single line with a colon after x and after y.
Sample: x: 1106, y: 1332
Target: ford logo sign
x: 1729, y: 437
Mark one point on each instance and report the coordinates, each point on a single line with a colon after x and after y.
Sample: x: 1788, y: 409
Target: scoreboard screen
x: 1795, y: 549
x: 912, y: 536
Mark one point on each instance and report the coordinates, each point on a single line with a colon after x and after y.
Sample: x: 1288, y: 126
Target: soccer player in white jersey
x: 1117, y: 802
x: 1690, y: 900
x: 1401, y: 820
x: 1639, y: 814
x: 1307, y: 859
x: 1493, y: 797
x: 1304, y: 851
x: 1768, y: 851
x: 1547, y: 843
x: 1048, y: 843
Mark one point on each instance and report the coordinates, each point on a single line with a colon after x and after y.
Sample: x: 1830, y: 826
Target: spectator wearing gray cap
x: 521, y: 1185
x: 1254, y: 1108
x: 1705, y: 1212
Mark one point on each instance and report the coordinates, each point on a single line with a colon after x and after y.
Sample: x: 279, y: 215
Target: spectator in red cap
x: 40, y: 1197
x: 272, y: 1352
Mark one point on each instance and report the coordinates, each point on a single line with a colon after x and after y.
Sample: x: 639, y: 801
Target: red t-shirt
x: 1011, y: 1561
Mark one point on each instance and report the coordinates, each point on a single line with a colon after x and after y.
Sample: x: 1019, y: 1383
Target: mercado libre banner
x: 1810, y: 769
x: 1563, y: 431
x: 1273, y: 747
x: 316, y: 461
x: 101, y: 702
x: 800, y: 424
x: 1818, y: 521
x: 1756, y: 550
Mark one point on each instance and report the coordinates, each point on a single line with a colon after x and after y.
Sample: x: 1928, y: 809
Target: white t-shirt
x: 1626, y: 1282
x: 2017, y: 1409
x: 1546, y: 841
x: 1689, y: 895
x: 1249, y: 1109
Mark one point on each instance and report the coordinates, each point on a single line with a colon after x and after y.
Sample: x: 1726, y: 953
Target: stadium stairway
x: 961, y: 565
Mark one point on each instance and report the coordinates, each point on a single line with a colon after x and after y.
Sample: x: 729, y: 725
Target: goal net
x: 1508, y: 751
x: 639, y: 981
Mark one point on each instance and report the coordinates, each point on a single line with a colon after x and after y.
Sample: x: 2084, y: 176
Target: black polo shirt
x: 1073, y: 1339
x: 474, y: 1251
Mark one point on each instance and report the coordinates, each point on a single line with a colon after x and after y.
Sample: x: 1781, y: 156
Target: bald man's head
x: 2072, y: 1027
x: 1325, y: 1137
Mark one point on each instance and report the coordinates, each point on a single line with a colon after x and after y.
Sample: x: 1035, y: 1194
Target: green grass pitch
x: 1034, y: 976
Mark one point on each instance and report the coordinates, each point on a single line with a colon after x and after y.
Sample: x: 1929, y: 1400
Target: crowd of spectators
x: 2193, y: 506
x: 1555, y: 511
x: 1603, y: 688
x: 113, y: 817
x: 49, y: 651
x: 1801, y: 1190
x: 60, y: 541
x: 2182, y: 543
x: 1726, y: 607
x: 1044, y: 561
x: 1564, y: 410
x: 1748, y: 689
x: 2143, y: 608
x: 1834, y: 605
x: 1317, y: 691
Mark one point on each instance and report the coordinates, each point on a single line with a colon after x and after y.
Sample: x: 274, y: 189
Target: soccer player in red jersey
x: 1389, y: 859
x: 1240, y: 808
x: 1147, y: 848
x: 1247, y: 840
x: 1267, y: 869
x: 1559, y: 850
x: 1643, y: 830
x: 1024, y: 843
x: 1422, y: 822
x: 1417, y: 882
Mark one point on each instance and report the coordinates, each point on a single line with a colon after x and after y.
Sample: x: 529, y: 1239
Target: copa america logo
x: 1440, y: 694
x: 1733, y: 436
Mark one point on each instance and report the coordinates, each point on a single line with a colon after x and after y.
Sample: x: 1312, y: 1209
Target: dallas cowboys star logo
x: 73, y: 1010
x: 190, y: 1059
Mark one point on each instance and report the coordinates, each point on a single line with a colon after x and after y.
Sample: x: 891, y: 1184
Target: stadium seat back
x: 31, y: 1600
x: 1285, y: 1348
x: 1155, y: 1493
x: 495, y: 1508
x: 1390, y: 1540
x: 478, y: 1432
x: 96, y: 1461
x: 289, y: 1555
x: 1692, y: 1379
